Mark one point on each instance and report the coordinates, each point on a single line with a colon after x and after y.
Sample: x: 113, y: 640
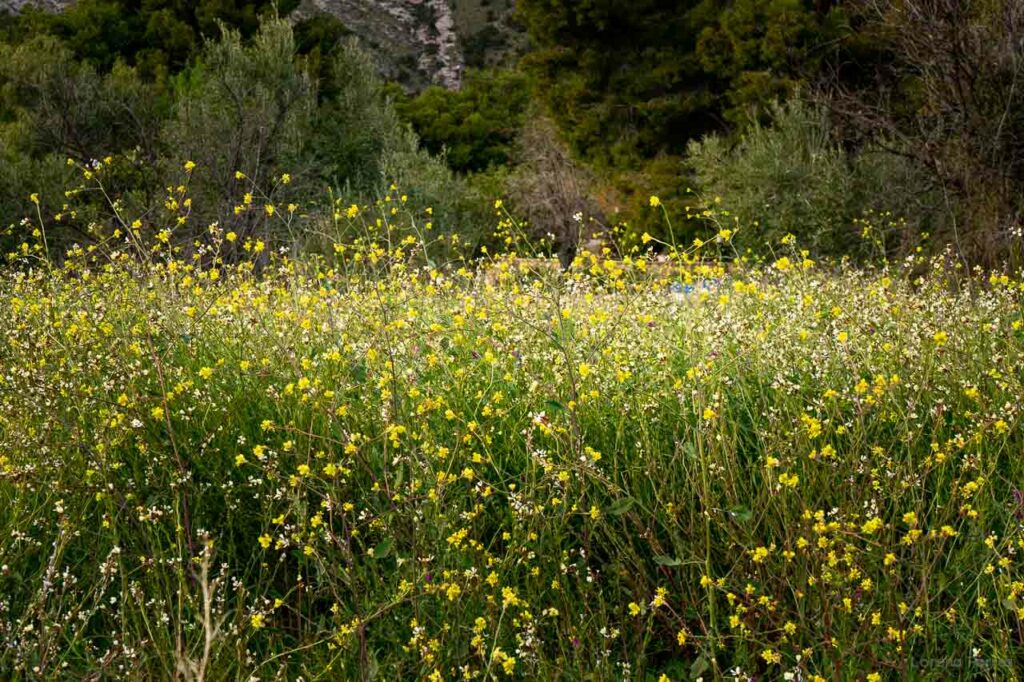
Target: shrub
x: 357, y: 126
x: 71, y: 109
x: 245, y: 109
x: 790, y: 177
x: 551, y: 191
x: 475, y: 127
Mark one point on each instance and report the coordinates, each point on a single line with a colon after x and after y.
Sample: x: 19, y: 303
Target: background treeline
x: 863, y: 127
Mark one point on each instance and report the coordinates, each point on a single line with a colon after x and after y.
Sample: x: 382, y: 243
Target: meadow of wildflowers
x: 367, y: 465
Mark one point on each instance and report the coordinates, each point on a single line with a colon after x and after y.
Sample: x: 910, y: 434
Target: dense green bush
x: 71, y: 108
x: 628, y: 81
x: 791, y: 177
x: 159, y: 36
x: 475, y: 127
x: 362, y: 148
x: 357, y: 126
x: 257, y: 129
x: 247, y: 109
x: 56, y: 108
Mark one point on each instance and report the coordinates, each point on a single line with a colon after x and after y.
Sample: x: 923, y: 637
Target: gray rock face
x: 14, y: 6
x: 415, y: 40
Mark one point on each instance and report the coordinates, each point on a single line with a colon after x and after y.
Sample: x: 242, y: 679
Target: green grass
x: 434, y: 475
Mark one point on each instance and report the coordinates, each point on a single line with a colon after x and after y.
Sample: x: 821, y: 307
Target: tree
x: 621, y: 80
x: 71, y: 109
x: 246, y: 108
x: 57, y: 108
x: 951, y: 98
x: 764, y: 51
x: 791, y: 176
x: 551, y: 190
x: 157, y: 36
x: 357, y: 125
x: 629, y: 85
x: 475, y: 127
x: 627, y: 81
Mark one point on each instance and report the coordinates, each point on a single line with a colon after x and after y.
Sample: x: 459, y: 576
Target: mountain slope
x: 416, y: 42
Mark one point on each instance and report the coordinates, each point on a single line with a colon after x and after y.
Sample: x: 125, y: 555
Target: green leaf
x: 359, y: 371
x: 741, y: 514
x: 665, y: 560
x: 699, y: 667
x: 383, y: 550
x: 621, y: 506
x: 554, y: 406
x: 372, y: 666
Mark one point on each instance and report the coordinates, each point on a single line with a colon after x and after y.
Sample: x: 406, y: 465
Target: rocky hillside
x: 414, y: 39
x: 17, y: 5
x: 417, y: 42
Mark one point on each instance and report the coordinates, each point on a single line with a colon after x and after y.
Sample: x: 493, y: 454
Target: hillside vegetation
x: 816, y: 115
x: 678, y: 340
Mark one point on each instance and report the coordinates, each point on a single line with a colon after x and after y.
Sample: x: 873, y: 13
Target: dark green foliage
x: 488, y: 32
x: 651, y: 97
x: 627, y: 81
x: 72, y: 109
x: 950, y: 95
x: 159, y: 36
x: 19, y: 171
x: 761, y: 50
x: 622, y: 80
x: 476, y: 126
x: 360, y: 147
x: 482, y: 43
x: 253, y: 107
x: 321, y: 33
x: 317, y: 38
x: 791, y: 177
x: 248, y: 108
x: 356, y: 125
x: 631, y: 84
x: 55, y: 108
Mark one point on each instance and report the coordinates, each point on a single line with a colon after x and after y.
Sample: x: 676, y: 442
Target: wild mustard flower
x: 502, y: 495
x: 872, y: 526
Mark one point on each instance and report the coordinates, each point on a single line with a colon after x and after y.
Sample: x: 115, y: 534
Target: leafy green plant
x: 475, y: 127
x: 790, y: 176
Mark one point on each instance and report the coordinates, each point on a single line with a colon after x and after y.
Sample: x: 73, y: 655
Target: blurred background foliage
x: 843, y: 122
